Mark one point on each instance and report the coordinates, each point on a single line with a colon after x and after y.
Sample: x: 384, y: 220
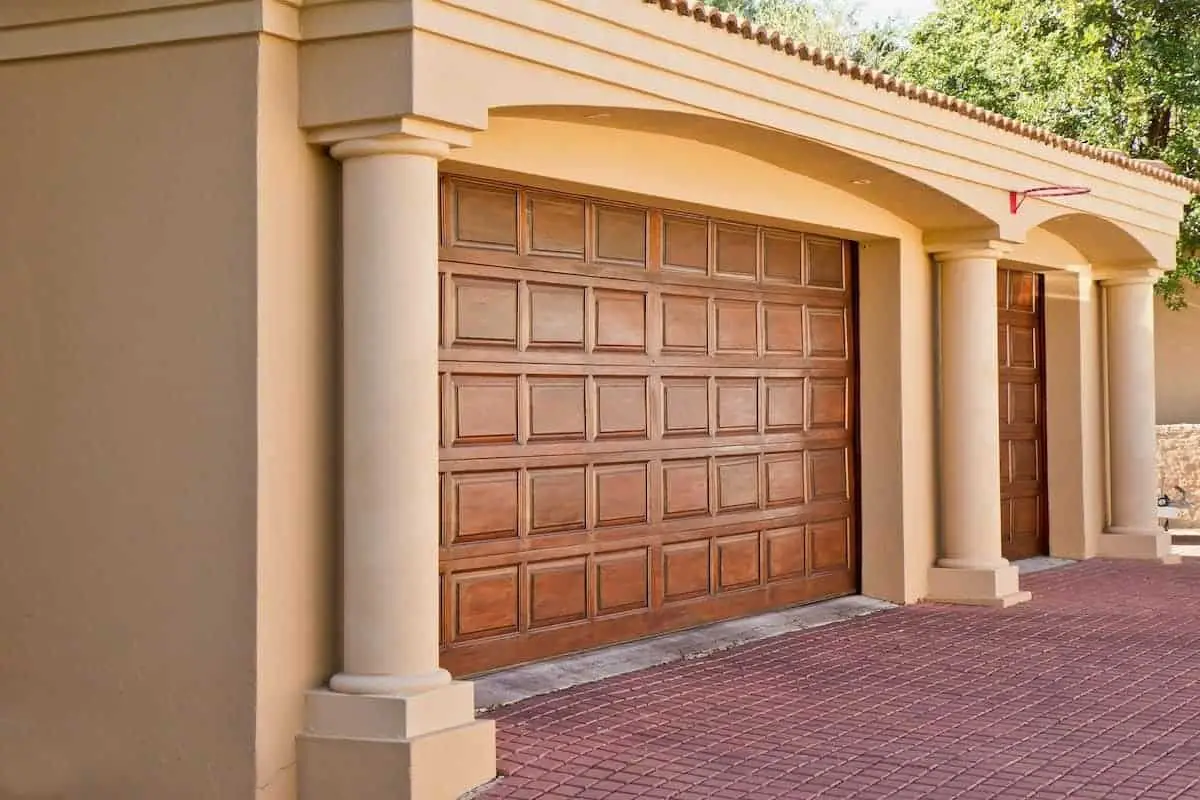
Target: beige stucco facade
x: 204, y: 212
x: 1177, y: 350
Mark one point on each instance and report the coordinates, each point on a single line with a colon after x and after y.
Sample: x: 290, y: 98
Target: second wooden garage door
x: 646, y: 422
x: 1023, y: 516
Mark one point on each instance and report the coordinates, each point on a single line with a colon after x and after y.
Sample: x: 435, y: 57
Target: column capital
x: 1127, y: 274
x: 945, y: 250
x: 400, y: 144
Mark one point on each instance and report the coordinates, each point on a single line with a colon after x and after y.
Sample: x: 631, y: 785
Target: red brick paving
x: 1087, y: 692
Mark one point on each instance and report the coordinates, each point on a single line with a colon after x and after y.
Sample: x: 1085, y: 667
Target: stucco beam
x: 1118, y: 273
x: 967, y: 241
x: 66, y: 27
x: 639, y: 47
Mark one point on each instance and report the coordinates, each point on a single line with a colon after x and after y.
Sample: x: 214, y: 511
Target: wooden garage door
x: 646, y: 422
x: 1022, y: 406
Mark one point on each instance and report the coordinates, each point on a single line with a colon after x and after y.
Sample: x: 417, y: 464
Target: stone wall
x: 1179, y: 465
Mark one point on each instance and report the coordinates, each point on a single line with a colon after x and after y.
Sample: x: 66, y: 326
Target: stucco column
x: 970, y: 567
x: 362, y: 735
x: 1133, y: 530
x: 389, y: 416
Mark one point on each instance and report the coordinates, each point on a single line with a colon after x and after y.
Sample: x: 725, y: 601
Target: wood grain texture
x: 647, y: 424
x: 1023, y: 496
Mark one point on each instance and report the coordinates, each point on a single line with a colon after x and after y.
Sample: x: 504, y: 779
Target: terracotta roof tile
x: 763, y: 35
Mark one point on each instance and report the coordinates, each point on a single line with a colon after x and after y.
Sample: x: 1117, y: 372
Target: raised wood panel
x: 622, y: 581
x: 485, y: 409
x: 1022, y: 347
x: 557, y: 408
x: 828, y: 475
x: 621, y: 235
x: 684, y: 324
x: 737, y: 251
x: 484, y: 506
x: 485, y: 216
x: 620, y: 321
x: 685, y: 488
x: 557, y: 500
x: 557, y: 226
x: 737, y: 405
x: 1025, y: 462
x: 786, y: 553
x: 826, y: 264
x: 557, y: 592
x: 1023, y: 293
x: 685, y: 406
x: 621, y: 405
x: 1023, y: 404
x: 737, y: 483
x: 827, y: 332
x: 556, y: 316
x: 485, y: 311
x: 786, y: 482
x: 647, y: 421
x: 686, y: 570
x: 737, y: 327
x: 785, y: 404
x: 738, y: 562
x: 783, y: 257
x: 828, y: 403
x: 621, y: 497
x: 1026, y: 517
x: 685, y: 243
x: 484, y: 603
x: 830, y: 545
x: 784, y: 326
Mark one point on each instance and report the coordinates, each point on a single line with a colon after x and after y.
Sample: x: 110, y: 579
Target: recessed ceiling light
x: 861, y: 181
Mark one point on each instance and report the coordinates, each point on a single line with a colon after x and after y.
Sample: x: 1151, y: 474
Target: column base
x: 1136, y: 544
x: 426, y: 746
x: 981, y: 586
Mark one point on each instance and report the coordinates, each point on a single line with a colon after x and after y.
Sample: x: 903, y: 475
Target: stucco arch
x: 921, y: 204
x: 1105, y: 242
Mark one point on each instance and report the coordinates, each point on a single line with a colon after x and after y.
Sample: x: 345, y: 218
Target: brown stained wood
x: 621, y: 234
x: 826, y: 264
x: 649, y: 422
x: 557, y: 225
x: 737, y: 251
x: 1022, y: 393
x: 783, y: 257
x: 685, y: 243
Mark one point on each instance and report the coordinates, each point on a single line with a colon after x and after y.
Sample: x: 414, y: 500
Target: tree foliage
x: 1123, y: 74
x: 833, y: 25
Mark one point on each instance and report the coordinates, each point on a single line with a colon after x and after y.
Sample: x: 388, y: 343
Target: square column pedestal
x: 427, y: 746
x: 1144, y: 545
x: 996, y: 586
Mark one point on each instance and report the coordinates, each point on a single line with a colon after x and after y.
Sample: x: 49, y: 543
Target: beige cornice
x: 69, y: 27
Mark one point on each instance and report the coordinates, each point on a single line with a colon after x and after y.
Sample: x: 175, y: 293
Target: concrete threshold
x: 520, y: 683
x: 1027, y: 566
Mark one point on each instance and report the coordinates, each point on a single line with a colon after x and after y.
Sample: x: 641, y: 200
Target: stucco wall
x: 1177, y: 359
x: 1179, y: 465
x: 297, y: 384
x: 127, y: 383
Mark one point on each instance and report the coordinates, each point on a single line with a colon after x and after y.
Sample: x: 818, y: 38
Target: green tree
x: 833, y: 25
x: 1123, y: 74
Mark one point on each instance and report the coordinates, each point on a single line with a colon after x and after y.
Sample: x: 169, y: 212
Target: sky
x: 881, y: 9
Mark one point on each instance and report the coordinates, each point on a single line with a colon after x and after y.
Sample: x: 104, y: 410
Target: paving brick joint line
x: 1086, y: 693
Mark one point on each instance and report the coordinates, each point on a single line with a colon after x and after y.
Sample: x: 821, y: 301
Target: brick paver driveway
x: 1087, y: 692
